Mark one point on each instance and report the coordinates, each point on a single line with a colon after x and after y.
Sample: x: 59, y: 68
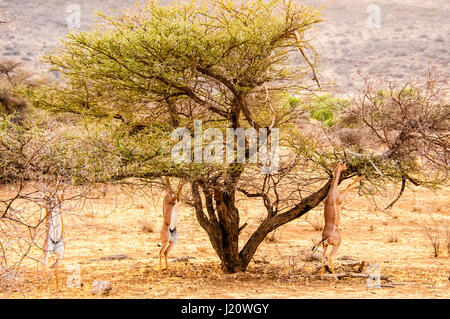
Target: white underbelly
x: 56, y: 225
x: 174, y: 216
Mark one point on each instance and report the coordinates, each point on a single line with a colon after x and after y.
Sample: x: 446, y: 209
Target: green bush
x: 324, y: 108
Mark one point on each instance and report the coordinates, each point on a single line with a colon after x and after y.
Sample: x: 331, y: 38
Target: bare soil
x: 124, y: 224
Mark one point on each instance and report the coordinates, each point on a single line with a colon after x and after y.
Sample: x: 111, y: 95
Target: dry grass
x: 435, y: 237
x: 315, y: 219
x: 147, y: 226
x: 393, y: 238
x: 448, y: 240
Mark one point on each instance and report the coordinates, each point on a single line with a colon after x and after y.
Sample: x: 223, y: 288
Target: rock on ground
x: 102, y: 288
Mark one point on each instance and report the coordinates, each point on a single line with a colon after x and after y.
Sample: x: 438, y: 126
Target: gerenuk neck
x: 336, y: 177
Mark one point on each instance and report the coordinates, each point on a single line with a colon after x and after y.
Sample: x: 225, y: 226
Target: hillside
x: 411, y: 35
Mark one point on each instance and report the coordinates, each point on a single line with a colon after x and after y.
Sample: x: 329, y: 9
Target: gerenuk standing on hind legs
x: 169, y: 235
x: 54, y: 243
x: 333, y: 201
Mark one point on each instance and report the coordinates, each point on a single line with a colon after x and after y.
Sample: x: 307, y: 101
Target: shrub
x: 324, y: 108
x: 433, y: 233
x: 147, y: 226
x: 12, y: 75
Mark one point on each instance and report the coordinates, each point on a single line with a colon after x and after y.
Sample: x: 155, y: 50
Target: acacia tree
x: 228, y: 64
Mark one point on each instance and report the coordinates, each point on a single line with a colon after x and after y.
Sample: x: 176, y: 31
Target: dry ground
x: 120, y: 224
x: 412, y: 34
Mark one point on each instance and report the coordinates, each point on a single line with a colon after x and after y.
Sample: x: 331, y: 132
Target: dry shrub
x: 202, y: 249
x: 11, y: 74
x: 348, y: 120
x: 290, y: 262
x: 433, y: 233
x: 271, y: 237
x: 419, y: 208
x: 315, y: 220
x: 7, y: 279
x: 350, y: 136
x: 147, y: 226
x: 9, y: 103
x: 261, y: 217
x: 14, y: 75
x: 448, y: 241
x: 393, y: 238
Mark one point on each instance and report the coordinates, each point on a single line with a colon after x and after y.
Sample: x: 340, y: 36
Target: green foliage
x: 162, y: 50
x: 166, y: 66
x: 27, y: 150
x: 325, y: 108
x: 294, y: 101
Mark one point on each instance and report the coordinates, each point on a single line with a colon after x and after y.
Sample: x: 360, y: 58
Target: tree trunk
x: 229, y: 225
x: 222, y: 225
x: 272, y: 223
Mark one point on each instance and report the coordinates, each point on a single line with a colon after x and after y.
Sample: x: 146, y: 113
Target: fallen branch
x: 351, y: 275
